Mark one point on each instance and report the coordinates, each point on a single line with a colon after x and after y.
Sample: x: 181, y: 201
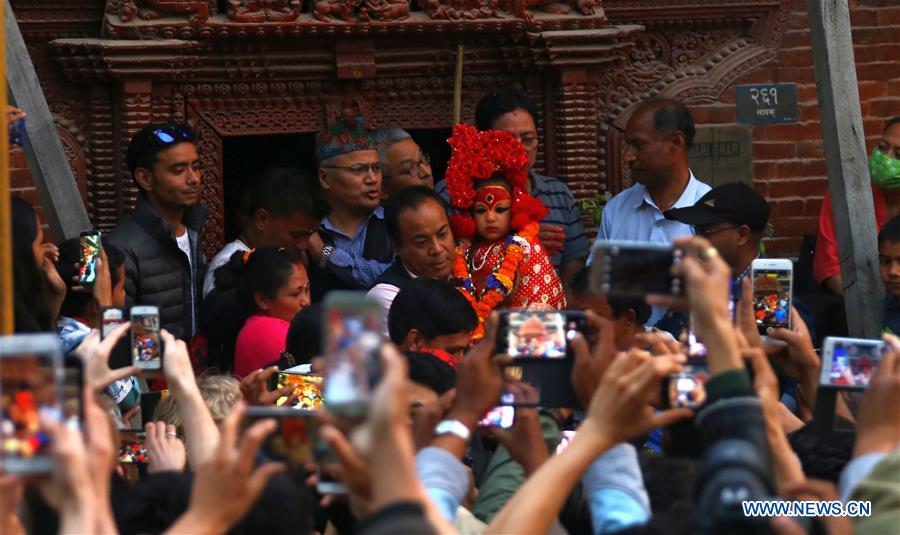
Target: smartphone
x: 566, y: 437
x: 848, y: 363
x: 686, y: 389
x: 293, y: 440
x: 635, y: 269
x: 537, y: 334
x: 90, y: 253
x: 112, y: 317
x: 17, y: 133
x: 502, y: 416
x: 352, y: 334
x: 73, y: 391
x: 772, y: 280
x: 694, y: 346
x: 31, y: 379
x: 132, y: 447
x: 308, y: 385
x: 145, y: 347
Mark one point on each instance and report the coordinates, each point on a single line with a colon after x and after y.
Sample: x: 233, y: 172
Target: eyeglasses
x: 711, y: 231
x: 358, y: 169
x: 167, y: 135
x: 415, y: 169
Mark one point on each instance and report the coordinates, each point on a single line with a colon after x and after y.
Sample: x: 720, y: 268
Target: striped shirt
x: 564, y: 212
x: 348, y: 251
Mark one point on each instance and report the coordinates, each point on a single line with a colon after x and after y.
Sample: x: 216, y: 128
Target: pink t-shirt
x: 260, y: 342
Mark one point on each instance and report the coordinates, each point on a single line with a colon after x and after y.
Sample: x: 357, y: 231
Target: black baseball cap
x: 734, y: 202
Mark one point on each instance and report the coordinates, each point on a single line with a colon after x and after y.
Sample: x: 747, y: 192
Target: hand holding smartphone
x: 294, y: 438
x: 686, y: 389
x: 772, y: 290
x: 307, y: 386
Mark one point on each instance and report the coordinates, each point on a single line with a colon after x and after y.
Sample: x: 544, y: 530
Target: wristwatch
x: 453, y: 427
x: 326, y: 254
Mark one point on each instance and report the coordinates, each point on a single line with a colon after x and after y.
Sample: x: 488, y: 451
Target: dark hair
x: 500, y: 102
x: 266, y: 270
x: 430, y: 371
x: 32, y: 313
x: 432, y: 307
x: 619, y: 305
x: 670, y: 116
x: 891, y: 122
x: 304, y: 338
x: 283, y: 192
x: 153, y: 139
x: 115, y: 258
x: 407, y: 199
x: 154, y: 503
x: 890, y: 231
x: 232, y: 301
x: 823, y: 454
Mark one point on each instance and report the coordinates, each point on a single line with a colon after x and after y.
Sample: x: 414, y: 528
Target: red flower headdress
x: 478, y: 156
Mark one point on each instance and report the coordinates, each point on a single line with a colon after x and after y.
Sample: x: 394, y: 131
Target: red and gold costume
x: 512, y: 272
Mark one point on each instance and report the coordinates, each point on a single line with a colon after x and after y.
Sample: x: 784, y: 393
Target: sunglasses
x: 172, y: 134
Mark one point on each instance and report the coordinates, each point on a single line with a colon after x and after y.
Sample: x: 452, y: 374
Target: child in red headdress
x: 505, y: 266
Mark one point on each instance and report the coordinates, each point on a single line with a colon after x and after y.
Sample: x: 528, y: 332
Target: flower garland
x: 500, y: 282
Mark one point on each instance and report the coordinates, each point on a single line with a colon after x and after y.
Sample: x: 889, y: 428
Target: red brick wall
x: 20, y: 185
x: 789, y: 164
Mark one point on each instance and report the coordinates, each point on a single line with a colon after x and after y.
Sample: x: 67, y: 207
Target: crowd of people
x: 634, y: 451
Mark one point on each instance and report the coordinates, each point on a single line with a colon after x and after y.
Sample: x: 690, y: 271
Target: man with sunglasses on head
x: 164, y: 262
x: 283, y: 208
x: 403, y: 164
x: 351, y: 248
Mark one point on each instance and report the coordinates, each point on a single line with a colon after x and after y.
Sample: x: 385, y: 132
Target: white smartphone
x: 31, y: 379
x: 848, y: 363
x: 773, y: 280
x: 146, y: 352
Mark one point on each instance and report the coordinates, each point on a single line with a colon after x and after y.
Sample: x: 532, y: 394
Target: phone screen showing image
x: 536, y: 334
x: 292, y: 442
x: 308, y: 386
x: 90, y: 252
x: 852, y: 363
x: 688, y: 388
x: 28, y: 388
x: 145, y: 340
x: 772, y: 299
x: 352, y: 370
x: 502, y: 416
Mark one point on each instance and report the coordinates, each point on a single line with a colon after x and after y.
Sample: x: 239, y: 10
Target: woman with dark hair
x: 267, y: 288
x: 38, y: 290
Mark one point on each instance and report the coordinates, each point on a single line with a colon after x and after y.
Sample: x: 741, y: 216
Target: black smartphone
x: 31, y: 379
x: 503, y: 415
x: 90, y: 253
x: 686, y: 389
x: 635, y: 269
x: 293, y: 441
x: 73, y: 391
x: 537, y: 334
x: 112, y: 317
